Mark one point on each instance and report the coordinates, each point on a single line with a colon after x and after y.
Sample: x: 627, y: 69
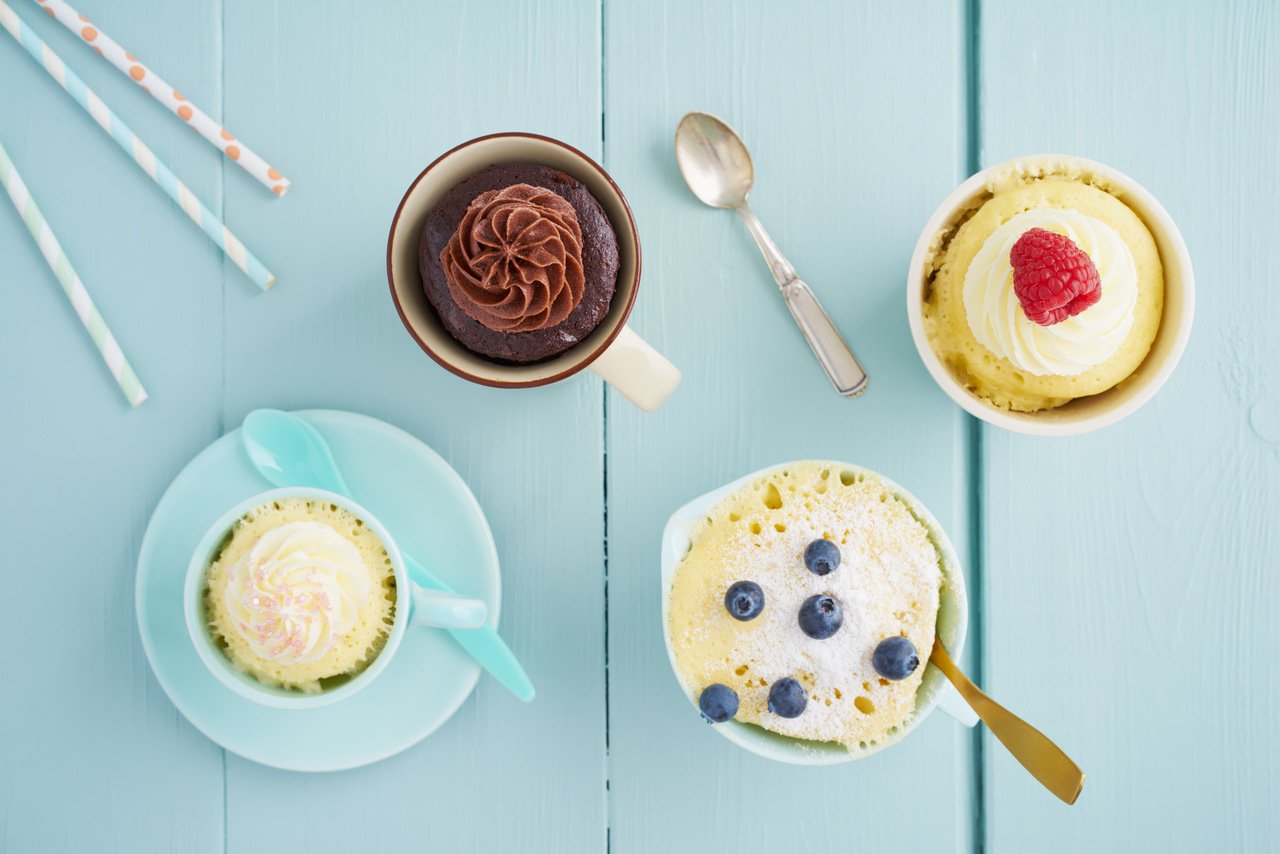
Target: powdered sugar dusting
x: 888, y: 583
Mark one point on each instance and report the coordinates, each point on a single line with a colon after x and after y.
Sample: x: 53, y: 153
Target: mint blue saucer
x: 430, y: 512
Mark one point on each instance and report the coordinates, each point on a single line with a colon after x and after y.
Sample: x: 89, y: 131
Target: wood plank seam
x: 604, y: 480
x: 221, y: 54
x: 973, y: 429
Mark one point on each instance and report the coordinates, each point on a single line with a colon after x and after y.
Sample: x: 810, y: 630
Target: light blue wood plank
x: 352, y: 104
x: 94, y: 756
x: 853, y: 113
x: 1131, y: 574
x: 1174, y: 570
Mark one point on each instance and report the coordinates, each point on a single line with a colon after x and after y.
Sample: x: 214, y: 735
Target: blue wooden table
x: 1124, y: 583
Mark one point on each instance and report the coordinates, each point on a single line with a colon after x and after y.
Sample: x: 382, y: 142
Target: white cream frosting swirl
x: 1071, y: 346
x: 296, y: 591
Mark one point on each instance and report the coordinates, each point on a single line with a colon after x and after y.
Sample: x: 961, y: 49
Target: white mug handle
x: 950, y: 701
x: 641, y: 373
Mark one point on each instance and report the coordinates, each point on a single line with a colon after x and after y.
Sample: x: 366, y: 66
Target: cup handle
x: 641, y: 373
x: 950, y: 701
x: 445, y: 610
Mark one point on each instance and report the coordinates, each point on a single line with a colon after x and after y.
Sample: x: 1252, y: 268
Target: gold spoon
x: 1044, y: 759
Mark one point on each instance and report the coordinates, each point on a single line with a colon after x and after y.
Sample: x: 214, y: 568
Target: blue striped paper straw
x: 58, y: 262
x: 135, y: 148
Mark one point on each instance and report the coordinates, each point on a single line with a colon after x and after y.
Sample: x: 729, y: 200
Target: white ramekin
x: 1084, y: 414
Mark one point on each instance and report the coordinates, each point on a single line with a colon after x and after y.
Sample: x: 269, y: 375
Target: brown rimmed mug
x: 612, y: 350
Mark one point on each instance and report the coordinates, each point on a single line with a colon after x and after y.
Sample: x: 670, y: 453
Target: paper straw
x: 165, y: 94
x: 71, y: 284
x: 135, y: 148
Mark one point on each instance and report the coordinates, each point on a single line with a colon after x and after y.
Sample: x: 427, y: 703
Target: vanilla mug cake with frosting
x: 1048, y: 288
x: 297, y: 598
x: 302, y: 594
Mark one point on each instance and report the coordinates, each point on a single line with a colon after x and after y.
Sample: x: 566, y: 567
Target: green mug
x: 415, y: 606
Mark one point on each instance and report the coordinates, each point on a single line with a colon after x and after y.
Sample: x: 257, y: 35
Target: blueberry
x: 718, y: 703
x: 787, y: 698
x: 744, y: 601
x: 822, y: 557
x: 821, y: 617
x: 895, y: 658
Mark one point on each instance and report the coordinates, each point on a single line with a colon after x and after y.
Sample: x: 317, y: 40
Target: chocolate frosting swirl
x: 515, y: 262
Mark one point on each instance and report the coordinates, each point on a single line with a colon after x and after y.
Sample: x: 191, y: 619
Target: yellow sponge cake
x: 302, y: 595
x: 973, y: 315
x: 806, y: 605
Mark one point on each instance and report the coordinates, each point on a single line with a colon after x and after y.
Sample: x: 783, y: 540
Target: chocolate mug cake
x: 519, y: 261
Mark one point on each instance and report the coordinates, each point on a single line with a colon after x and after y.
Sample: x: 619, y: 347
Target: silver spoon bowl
x: 717, y: 167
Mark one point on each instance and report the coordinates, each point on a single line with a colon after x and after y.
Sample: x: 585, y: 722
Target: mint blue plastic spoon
x: 288, y: 451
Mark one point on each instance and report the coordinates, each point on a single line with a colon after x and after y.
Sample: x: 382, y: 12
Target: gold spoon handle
x: 1032, y: 748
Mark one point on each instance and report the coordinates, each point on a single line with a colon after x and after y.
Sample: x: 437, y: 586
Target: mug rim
x: 580, y: 364
x: 799, y: 751
x: 245, y: 684
x: 1163, y: 230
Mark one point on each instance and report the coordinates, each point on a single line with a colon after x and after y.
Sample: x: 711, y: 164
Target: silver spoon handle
x: 828, y: 345
x: 779, y: 266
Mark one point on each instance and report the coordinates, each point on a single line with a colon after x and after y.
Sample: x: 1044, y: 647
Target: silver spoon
x: 717, y: 167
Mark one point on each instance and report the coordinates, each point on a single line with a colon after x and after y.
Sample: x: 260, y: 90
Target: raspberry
x: 1052, y: 276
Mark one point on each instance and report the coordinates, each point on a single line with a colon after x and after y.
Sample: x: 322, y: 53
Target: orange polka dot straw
x: 145, y: 77
x: 135, y: 148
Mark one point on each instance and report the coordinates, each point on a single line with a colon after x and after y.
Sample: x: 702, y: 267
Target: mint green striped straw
x: 135, y: 148
x: 71, y: 284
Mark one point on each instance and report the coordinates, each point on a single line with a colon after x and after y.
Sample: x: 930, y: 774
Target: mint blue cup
x: 416, y: 606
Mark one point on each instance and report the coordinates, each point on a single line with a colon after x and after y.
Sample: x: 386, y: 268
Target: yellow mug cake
x: 807, y: 605
x: 301, y: 595
x: 1048, y: 287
